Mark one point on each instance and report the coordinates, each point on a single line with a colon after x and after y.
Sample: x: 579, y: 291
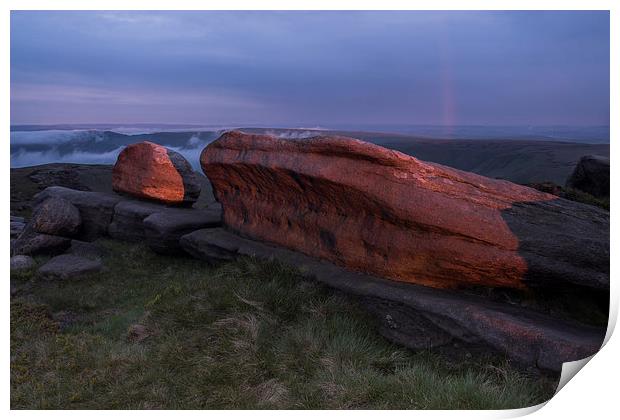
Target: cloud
x: 29, y: 158
x: 45, y: 147
x: 310, y: 67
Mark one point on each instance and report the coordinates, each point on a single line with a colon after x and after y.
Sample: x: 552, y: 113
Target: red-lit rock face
x: 148, y: 170
x: 379, y: 211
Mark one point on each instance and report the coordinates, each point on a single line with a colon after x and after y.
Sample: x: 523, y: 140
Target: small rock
x: 30, y: 242
x: 63, y: 267
x: 390, y: 321
x: 21, y: 263
x: 56, y: 216
x: 137, y: 333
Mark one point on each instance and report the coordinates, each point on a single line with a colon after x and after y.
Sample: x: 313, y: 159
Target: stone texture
x: 56, y: 216
x: 164, y: 229
x: 135, y: 220
x: 96, y: 209
x: 64, y: 267
x: 211, y: 245
x: 148, y: 170
x: 17, y: 225
x: 128, y: 220
x: 420, y: 317
x: 591, y: 175
x: 17, y: 219
x: 378, y: 211
x: 21, y: 263
x: 30, y: 242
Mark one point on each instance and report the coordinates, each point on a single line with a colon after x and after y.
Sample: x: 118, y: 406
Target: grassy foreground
x: 247, y: 334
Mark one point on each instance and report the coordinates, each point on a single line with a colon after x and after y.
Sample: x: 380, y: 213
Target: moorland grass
x: 246, y: 334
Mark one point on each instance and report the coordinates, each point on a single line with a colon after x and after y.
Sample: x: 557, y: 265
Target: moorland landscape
x: 306, y: 209
x: 259, y: 282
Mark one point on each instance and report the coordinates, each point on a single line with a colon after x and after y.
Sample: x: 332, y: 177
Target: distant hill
x: 520, y: 161
x: 517, y: 160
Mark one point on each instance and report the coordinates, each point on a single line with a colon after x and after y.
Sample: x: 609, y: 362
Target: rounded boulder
x: 151, y: 171
x: 56, y: 216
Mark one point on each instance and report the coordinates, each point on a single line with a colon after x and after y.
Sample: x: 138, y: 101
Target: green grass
x: 584, y: 197
x: 247, y: 334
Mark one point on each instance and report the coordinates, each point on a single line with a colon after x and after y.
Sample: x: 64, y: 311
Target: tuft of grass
x: 246, y: 334
x: 572, y: 194
x: 586, y: 198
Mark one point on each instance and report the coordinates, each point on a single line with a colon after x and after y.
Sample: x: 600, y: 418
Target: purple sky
x: 310, y: 68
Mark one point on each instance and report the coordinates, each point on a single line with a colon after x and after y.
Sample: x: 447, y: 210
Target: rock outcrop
x: 148, y: 170
x: 133, y: 220
x: 378, y: 211
x: 96, y: 208
x: 591, y: 175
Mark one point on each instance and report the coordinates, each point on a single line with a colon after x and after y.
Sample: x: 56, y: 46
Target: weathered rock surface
x: 378, y: 211
x: 64, y: 267
x: 127, y: 222
x: 96, y: 209
x: 591, y: 175
x: 134, y: 220
x: 165, y: 228
x: 30, y: 242
x: 56, y: 216
x: 17, y: 226
x: 21, y: 263
x: 148, y: 170
x: 211, y: 245
x: 421, y: 317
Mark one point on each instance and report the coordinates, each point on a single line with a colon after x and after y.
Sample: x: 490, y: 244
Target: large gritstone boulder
x: 591, y: 175
x: 148, y: 170
x: 378, y: 211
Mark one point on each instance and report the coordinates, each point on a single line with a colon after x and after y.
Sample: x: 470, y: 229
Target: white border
x: 592, y: 394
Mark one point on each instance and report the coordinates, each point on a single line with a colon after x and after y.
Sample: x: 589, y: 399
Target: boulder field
x: 381, y: 212
x: 148, y: 170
